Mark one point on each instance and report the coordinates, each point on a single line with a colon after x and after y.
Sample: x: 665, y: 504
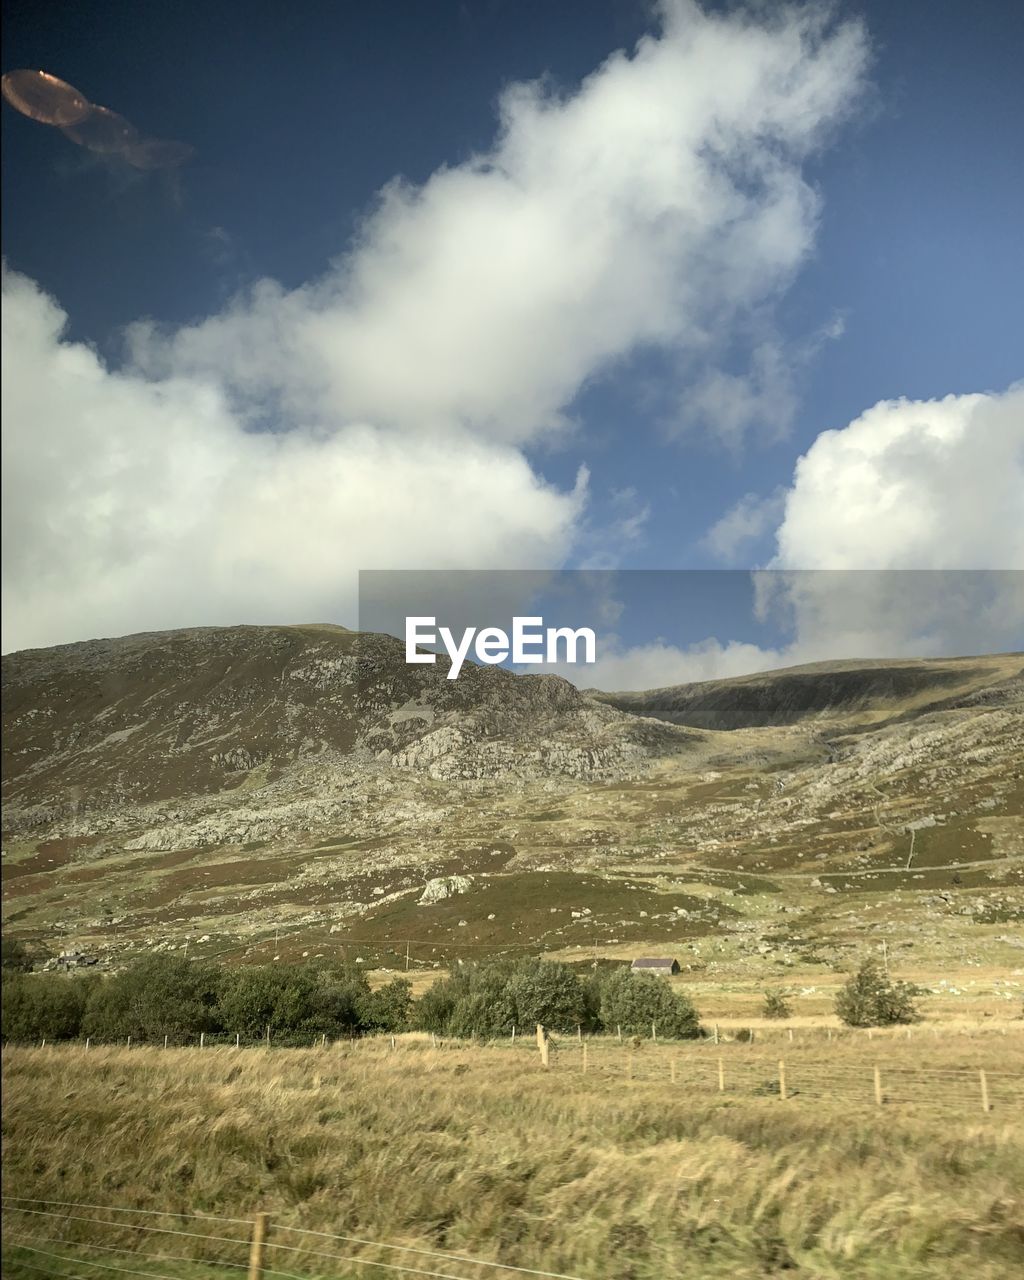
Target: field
x: 636, y: 1162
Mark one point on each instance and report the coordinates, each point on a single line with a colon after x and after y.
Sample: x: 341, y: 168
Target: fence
x: 256, y: 1246
x: 852, y: 1071
x: 870, y: 1082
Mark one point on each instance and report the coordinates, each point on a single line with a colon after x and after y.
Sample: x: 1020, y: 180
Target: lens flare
x: 44, y: 98
x: 103, y: 131
x: 158, y: 153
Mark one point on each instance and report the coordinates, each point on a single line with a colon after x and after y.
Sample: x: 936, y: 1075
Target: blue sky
x: 879, y: 257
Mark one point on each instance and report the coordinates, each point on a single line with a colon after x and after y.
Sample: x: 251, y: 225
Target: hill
x: 258, y: 791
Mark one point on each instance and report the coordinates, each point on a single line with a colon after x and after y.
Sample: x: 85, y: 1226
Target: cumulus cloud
x: 912, y: 484
x: 901, y: 535
x: 244, y: 466
x: 131, y: 505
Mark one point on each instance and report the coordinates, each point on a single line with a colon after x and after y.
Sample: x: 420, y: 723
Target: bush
x: 156, y: 996
x: 387, y: 1008
x: 547, y: 992
x: 491, y: 998
x: 14, y: 956
x: 44, y: 1006
x: 434, y: 1010
x: 871, y: 999
x: 775, y: 1005
x: 633, y: 1001
x: 286, y: 998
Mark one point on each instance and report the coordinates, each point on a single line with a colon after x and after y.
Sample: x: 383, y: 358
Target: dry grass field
x: 657, y: 1161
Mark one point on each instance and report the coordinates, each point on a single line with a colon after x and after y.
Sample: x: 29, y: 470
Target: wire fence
x: 890, y: 1071
x: 71, y: 1233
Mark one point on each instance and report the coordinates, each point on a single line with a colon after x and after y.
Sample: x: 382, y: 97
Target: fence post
x: 619, y: 1031
x: 782, y: 1080
x: 392, y: 1044
x: 268, y: 1035
x: 790, y: 1035
x: 721, y: 1075
x: 202, y: 1039
x: 165, y: 1042
x: 43, y: 1045
x: 579, y: 1033
x: 433, y: 1040
x: 88, y: 1040
x: 584, y: 1057
x: 260, y: 1227
x: 716, y: 1033
x: 513, y: 1033
x: 878, y: 1086
x: 238, y: 1036
x: 984, y: 1091
x: 129, y: 1042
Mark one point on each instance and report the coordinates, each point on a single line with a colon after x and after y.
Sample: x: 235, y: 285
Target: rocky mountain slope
x: 247, y: 783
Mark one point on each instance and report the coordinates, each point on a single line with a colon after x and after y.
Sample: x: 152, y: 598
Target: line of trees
x: 160, y: 996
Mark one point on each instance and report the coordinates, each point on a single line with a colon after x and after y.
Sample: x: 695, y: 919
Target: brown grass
x: 476, y: 1150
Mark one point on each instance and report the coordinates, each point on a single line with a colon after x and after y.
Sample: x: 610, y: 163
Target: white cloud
x: 902, y: 535
x: 651, y: 207
x: 745, y: 523
x: 912, y: 484
x: 660, y: 665
x: 135, y: 505
x: 241, y: 468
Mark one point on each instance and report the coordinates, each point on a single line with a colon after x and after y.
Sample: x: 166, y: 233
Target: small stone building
x: 665, y: 966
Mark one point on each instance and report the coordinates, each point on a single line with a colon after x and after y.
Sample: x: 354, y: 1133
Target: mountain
x: 242, y: 785
x: 862, y: 692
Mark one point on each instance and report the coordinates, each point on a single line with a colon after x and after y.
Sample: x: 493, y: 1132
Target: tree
x: 157, y: 996
x: 490, y: 999
x: 337, y: 1004
x: 387, y: 1008
x: 633, y: 1001
x: 434, y: 1009
x: 43, y: 1006
x: 286, y: 998
x: 871, y: 999
x: 547, y: 992
x: 14, y: 956
x: 775, y: 1005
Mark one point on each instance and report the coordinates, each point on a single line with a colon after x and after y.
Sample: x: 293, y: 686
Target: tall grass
x: 476, y: 1150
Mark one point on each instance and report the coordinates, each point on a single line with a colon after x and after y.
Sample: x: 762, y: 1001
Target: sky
x: 489, y: 285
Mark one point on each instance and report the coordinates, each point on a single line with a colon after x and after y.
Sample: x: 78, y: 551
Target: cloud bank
x: 242, y: 468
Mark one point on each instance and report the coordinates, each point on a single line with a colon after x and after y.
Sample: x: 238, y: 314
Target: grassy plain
x: 640, y: 1168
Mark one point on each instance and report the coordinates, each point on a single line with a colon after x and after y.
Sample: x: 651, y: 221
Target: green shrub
x: 871, y: 999
x: 156, y: 996
x: 775, y: 1005
x: 387, y: 1008
x: 635, y: 1001
x: 14, y: 956
x: 43, y: 1006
